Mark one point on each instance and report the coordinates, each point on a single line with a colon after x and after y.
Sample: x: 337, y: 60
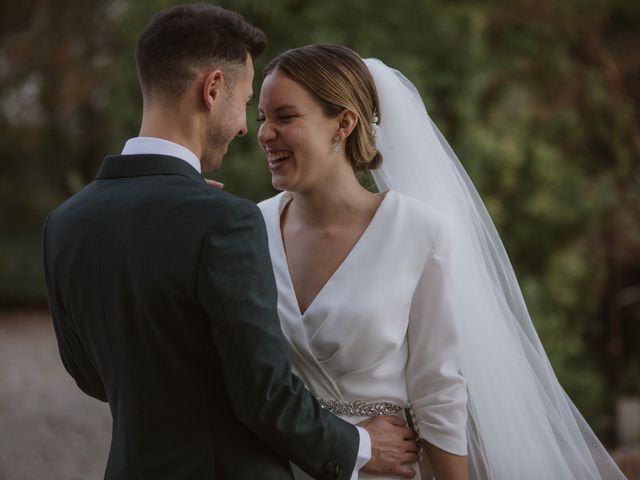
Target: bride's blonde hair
x: 337, y: 78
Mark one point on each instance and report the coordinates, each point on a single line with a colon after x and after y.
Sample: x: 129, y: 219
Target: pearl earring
x: 337, y: 147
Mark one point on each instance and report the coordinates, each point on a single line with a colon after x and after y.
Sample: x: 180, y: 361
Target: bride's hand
x: 214, y: 184
x: 393, y: 445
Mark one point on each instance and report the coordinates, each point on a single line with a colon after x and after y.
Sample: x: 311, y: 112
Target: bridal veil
x: 521, y: 423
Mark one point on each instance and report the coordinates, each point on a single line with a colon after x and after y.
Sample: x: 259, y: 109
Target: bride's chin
x: 278, y: 182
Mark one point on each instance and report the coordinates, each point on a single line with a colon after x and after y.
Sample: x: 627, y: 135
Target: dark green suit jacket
x: 164, y: 305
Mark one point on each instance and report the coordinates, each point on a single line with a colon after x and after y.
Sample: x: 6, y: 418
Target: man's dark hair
x: 182, y: 40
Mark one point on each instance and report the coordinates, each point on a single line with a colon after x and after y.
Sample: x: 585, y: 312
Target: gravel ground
x: 50, y: 430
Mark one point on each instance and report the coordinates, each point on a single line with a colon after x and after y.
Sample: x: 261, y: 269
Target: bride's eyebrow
x: 284, y: 107
x: 278, y: 109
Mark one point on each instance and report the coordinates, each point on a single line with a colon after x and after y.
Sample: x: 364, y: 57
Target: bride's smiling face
x: 296, y: 135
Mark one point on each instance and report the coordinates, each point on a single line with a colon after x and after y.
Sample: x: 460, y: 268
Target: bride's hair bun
x: 337, y: 78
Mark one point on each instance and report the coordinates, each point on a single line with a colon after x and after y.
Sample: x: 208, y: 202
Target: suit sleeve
x: 237, y: 288
x: 72, y: 352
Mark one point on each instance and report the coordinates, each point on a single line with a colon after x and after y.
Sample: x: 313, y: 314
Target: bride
x: 405, y: 302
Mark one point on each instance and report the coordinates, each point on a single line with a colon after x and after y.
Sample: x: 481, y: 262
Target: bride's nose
x: 266, y: 133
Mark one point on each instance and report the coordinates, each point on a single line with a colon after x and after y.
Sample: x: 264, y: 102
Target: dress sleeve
x: 436, y: 388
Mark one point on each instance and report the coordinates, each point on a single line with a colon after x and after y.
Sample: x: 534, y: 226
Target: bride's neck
x: 339, y: 200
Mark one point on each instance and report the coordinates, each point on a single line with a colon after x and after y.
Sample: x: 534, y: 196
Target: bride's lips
x: 277, y: 158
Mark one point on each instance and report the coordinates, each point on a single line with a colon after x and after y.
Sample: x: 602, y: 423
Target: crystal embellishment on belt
x: 360, y: 408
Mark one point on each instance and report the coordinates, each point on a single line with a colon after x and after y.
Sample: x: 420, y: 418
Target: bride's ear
x: 347, y: 121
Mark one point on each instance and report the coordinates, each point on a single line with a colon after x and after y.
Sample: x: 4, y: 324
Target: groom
x: 162, y: 293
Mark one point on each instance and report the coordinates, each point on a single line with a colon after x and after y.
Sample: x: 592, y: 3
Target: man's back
x: 126, y: 294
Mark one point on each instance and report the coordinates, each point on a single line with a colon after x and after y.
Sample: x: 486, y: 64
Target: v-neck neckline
x: 356, y: 246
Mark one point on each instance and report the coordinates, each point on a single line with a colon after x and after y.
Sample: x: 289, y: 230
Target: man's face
x: 230, y: 121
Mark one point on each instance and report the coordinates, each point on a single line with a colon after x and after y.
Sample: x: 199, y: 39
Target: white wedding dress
x: 427, y: 292
x: 381, y: 328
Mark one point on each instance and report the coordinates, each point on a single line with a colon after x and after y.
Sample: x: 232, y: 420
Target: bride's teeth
x: 272, y: 157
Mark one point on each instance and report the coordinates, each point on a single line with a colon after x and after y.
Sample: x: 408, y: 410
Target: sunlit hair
x: 337, y: 78
x: 181, y: 41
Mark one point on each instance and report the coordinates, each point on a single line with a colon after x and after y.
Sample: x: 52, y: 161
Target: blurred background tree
x: 539, y: 99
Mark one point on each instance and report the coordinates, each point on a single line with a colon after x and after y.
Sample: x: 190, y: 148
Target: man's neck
x: 172, y: 127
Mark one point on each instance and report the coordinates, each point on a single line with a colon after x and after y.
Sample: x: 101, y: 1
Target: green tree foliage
x: 539, y: 99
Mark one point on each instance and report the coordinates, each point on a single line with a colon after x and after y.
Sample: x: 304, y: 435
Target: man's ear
x: 212, y: 86
x: 347, y: 121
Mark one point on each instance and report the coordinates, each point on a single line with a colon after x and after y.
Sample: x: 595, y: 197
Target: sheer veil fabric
x: 521, y: 423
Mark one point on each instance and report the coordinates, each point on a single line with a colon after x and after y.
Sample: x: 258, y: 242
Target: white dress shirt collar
x: 158, y: 146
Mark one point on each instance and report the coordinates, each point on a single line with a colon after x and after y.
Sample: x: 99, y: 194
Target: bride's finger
x: 214, y: 183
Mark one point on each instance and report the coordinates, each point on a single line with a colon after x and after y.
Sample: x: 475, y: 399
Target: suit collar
x: 118, y: 166
x: 160, y: 146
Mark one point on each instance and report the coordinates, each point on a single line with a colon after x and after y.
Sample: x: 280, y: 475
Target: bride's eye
x: 260, y: 119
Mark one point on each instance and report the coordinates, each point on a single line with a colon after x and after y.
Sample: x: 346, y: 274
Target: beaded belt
x: 360, y: 408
